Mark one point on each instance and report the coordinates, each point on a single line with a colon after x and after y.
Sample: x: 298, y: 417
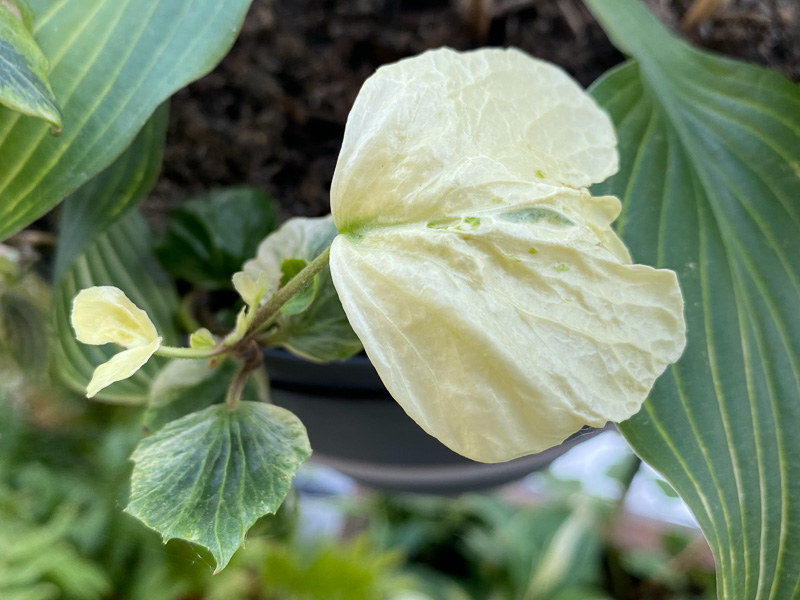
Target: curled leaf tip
x: 251, y: 286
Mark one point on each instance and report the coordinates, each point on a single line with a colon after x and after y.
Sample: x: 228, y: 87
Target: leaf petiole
x: 176, y: 352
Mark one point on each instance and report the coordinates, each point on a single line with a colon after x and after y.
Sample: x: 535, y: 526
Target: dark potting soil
x: 272, y: 114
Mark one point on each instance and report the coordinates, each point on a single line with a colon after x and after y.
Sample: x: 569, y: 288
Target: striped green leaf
x: 24, y: 85
x: 112, y: 63
x: 710, y: 184
x: 121, y: 257
x: 100, y: 201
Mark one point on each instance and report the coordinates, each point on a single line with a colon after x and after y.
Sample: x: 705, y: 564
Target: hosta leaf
x: 321, y: 332
x: 210, y: 236
x: 208, y: 476
x: 112, y: 63
x: 102, y: 200
x: 119, y: 257
x: 24, y: 86
x: 710, y: 185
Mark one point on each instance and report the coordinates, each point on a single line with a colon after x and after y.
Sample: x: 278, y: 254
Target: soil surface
x: 272, y: 114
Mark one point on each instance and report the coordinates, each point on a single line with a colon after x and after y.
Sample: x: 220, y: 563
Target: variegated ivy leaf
x: 208, y: 476
x: 319, y: 330
x: 485, y: 282
x: 24, y: 85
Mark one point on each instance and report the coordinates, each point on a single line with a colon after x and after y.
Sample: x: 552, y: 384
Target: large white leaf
x: 494, y: 299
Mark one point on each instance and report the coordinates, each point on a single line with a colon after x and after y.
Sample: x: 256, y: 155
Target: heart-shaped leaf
x: 208, y: 476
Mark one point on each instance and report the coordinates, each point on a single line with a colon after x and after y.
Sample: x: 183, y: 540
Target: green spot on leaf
x: 533, y: 251
x: 539, y: 174
x: 537, y: 214
x: 472, y: 221
x: 443, y: 223
x: 561, y: 268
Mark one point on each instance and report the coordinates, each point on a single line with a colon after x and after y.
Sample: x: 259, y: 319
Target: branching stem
x: 236, y: 386
x: 283, y: 295
x: 249, y: 353
x: 247, y: 349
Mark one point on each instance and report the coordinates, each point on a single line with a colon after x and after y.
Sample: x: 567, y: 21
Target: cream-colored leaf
x: 104, y: 314
x: 243, y: 320
x: 202, y: 338
x: 121, y: 366
x: 486, y: 284
x: 320, y: 333
x: 251, y: 286
x: 504, y: 332
x: 299, y: 237
x: 425, y: 129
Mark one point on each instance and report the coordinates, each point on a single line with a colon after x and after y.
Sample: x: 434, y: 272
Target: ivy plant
x: 516, y: 257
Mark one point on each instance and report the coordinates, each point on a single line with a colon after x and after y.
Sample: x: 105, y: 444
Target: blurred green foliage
x: 483, y: 547
x: 64, y: 473
x: 209, y: 237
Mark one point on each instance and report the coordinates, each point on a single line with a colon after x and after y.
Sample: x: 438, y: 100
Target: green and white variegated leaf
x: 208, y: 476
x: 102, y: 200
x: 24, y: 86
x: 119, y: 257
x: 710, y: 186
x: 321, y: 332
x: 486, y: 284
x: 112, y: 63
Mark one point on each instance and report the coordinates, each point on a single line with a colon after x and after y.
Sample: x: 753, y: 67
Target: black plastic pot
x: 357, y: 428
